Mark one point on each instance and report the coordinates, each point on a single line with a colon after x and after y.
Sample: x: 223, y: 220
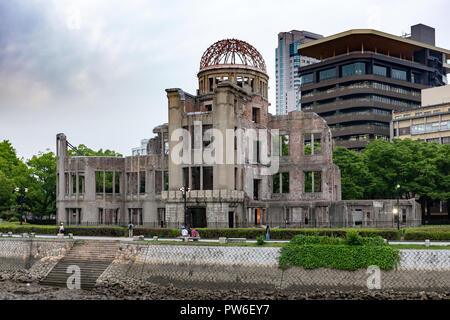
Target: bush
x: 161, y: 232
x: 352, y: 238
x: 342, y: 257
x: 411, y: 234
x: 13, y: 219
x: 351, y: 253
x: 260, y: 240
x: 303, y: 240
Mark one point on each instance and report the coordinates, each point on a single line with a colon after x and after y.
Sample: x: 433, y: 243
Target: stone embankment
x: 150, y: 271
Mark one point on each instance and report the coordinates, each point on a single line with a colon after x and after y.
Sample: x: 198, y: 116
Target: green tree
x: 91, y: 153
x: 42, y: 191
x: 354, y: 175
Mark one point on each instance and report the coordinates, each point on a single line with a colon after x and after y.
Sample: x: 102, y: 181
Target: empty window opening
x: 313, y: 181
x: 74, y: 183
x: 207, y: 136
x: 66, y: 182
x: 280, y: 182
x: 166, y: 180
x: 284, y: 145
x: 255, y: 115
x: 142, y: 182
x: 357, y: 217
x: 317, y: 181
x: 108, y: 181
x: 186, y: 177
x: 308, y: 147
x: 239, y: 81
x: 117, y: 182
x: 135, y: 216
x: 99, y: 181
x: 195, y: 172
x: 81, y: 183
x: 166, y: 147
x: 158, y: 182
x: 256, y: 184
x: 208, y: 178
x: 235, y: 178
x: 285, y: 182
x: 162, y: 217
x: 211, y: 84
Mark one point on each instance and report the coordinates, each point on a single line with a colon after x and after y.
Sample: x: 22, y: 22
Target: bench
x: 186, y: 239
x: 236, y: 240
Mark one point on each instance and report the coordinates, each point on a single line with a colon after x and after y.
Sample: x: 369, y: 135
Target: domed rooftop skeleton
x: 232, y: 52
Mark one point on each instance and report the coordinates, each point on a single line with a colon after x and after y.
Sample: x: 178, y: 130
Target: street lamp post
x: 21, y: 198
x: 396, y: 211
x: 184, y: 190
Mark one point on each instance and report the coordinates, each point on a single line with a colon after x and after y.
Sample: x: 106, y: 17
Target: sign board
x: 377, y: 204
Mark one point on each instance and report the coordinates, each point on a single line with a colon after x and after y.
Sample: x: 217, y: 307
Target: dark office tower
x: 363, y: 75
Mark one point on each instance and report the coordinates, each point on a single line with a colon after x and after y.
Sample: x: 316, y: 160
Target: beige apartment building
x: 430, y: 122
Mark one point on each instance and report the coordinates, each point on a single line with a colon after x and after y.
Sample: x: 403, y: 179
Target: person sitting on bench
x: 184, y: 232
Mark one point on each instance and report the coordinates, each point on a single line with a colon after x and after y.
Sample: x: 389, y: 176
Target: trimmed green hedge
x: 411, y: 234
x: 351, y: 253
x: 288, y: 234
x: 342, y: 257
x: 160, y: 232
x: 249, y: 233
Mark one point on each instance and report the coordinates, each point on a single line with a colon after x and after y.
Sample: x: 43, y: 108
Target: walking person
x: 267, y: 232
x: 130, y: 230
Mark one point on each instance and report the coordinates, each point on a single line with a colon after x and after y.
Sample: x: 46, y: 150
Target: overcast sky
x: 97, y: 70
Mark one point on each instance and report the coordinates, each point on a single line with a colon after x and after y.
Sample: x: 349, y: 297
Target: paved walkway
x: 433, y: 243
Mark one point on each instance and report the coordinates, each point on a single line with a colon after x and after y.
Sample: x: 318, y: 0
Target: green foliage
x: 91, y: 153
x: 315, y: 239
x: 352, y: 238
x: 260, y: 240
x: 351, y: 253
x: 38, y: 175
x: 354, y: 175
x: 287, y: 234
x: 161, y: 232
x: 42, y: 190
x: 344, y: 257
x: 420, y: 168
x: 431, y: 234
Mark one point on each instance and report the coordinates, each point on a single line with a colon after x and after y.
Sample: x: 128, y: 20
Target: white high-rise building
x: 287, y: 62
x: 142, y: 150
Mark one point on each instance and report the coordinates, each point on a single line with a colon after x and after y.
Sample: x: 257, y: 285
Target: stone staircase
x: 92, y: 257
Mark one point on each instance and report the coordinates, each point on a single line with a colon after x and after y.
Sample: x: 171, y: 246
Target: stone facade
x: 227, y: 121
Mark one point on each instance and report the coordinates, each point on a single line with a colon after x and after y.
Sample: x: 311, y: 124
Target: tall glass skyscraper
x: 287, y: 62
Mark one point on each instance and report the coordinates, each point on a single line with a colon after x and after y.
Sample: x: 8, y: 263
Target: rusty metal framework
x: 232, y: 52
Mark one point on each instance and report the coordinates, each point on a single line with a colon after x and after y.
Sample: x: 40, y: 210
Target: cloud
x: 97, y: 70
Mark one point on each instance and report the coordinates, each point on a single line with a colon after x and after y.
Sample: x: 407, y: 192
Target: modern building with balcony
x: 364, y: 75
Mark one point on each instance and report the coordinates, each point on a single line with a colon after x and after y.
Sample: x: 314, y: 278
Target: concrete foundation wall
x: 251, y: 267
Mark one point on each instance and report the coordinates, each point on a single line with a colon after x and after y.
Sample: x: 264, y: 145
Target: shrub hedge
x: 411, y: 234
x: 351, y: 253
x: 249, y: 233
x: 288, y: 234
x: 342, y: 257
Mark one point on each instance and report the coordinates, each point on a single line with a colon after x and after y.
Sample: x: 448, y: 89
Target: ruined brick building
x: 281, y: 174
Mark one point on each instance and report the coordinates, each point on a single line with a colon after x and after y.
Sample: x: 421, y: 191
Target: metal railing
x: 282, y: 224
